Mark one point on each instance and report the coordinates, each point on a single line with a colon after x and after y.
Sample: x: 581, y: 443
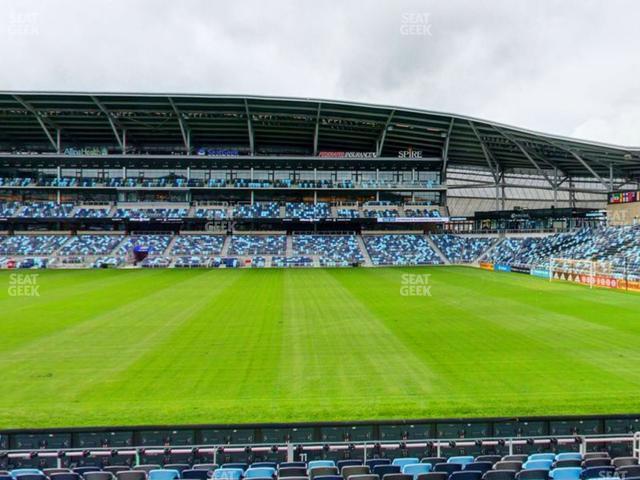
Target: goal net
x: 614, y: 273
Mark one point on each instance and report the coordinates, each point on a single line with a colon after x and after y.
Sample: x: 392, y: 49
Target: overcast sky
x: 564, y: 67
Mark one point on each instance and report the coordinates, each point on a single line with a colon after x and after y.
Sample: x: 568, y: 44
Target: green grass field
x: 206, y: 346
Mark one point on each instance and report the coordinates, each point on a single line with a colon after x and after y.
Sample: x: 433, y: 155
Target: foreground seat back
x: 500, y: 475
x: 397, y: 476
x: 195, y: 474
x: 286, y: 472
x: 466, y: 475
x: 322, y: 472
x: 115, y: 468
x: 348, y: 463
x: 433, y: 476
x: 131, y: 475
x: 83, y: 470
x: 65, y: 476
x: 508, y: 465
x: 533, y: 474
x: 479, y: 466
x: 368, y: 476
x: 624, y: 461
x: 349, y: 470
x: 98, y: 476
x: 597, y: 472
x: 447, y: 467
x: 596, y: 462
x: 628, y: 471
x: 382, y: 470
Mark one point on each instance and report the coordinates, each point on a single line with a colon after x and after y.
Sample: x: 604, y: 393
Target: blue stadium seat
x: 402, y: 461
x: 228, y: 474
x: 462, y: 460
x: 30, y: 476
x: 25, y: 471
x: 240, y: 465
x: 164, y: 474
x: 416, y: 469
x: 260, y: 472
x: 542, y: 456
x: 567, y: 473
x: 568, y: 456
x: 320, y: 463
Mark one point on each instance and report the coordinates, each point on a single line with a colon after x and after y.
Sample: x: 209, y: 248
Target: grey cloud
x: 567, y: 67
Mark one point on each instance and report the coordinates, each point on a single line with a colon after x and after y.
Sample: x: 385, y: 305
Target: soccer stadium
x: 245, y: 287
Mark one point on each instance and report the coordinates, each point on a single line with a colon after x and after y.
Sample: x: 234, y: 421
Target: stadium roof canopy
x: 81, y: 119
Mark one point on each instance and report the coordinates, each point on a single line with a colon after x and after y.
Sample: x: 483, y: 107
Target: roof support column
x: 184, y: 129
x: 555, y: 187
x: 445, y: 163
x: 38, y: 118
x: 526, y: 154
x: 316, y: 132
x: 383, y: 134
x: 582, y: 162
x: 250, y: 129
x: 611, y: 177
x: 495, y: 169
x: 109, y: 119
